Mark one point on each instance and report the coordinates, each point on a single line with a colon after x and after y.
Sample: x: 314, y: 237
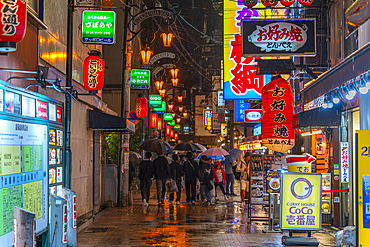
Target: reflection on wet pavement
x: 223, y: 224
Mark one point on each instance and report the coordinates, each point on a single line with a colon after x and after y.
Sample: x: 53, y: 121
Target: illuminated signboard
x: 279, y: 37
x: 239, y: 110
x: 252, y: 115
x: 240, y: 79
x: 98, y: 27
x: 160, y: 109
x: 140, y: 79
x: 207, y: 119
x: 344, y: 175
x: 155, y: 100
x: 167, y: 117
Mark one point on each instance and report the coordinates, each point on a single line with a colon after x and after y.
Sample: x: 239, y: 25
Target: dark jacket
x: 206, y: 172
x: 191, y: 170
x: 161, y: 168
x: 146, y: 170
x: 176, y: 170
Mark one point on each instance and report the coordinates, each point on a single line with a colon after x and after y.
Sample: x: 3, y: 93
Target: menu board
x: 273, y: 181
x: 326, y: 197
x: 23, y: 167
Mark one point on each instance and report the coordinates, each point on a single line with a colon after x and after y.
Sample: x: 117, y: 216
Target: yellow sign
x: 301, y: 168
x: 300, y: 201
x: 363, y: 188
x: 224, y: 130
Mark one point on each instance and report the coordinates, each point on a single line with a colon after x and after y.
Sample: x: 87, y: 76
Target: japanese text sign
x: 93, y: 75
x: 140, y: 79
x: 167, y: 117
x: 344, y: 174
x: 207, y: 119
x: 64, y: 224
x: 161, y: 109
x: 252, y: 116
x: 155, y: 100
x: 239, y: 110
x: 300, y: 201
x: 240, y: 74
x: 279, y: 37
x: 98, y: 27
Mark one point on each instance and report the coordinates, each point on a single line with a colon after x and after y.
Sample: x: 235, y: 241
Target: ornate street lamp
x: 173, y: 115
x: 167, y: 38
x: 175, y: 81
x: 158, y: 84
x: 179, y: 98
x: 146, y: 54
x: 170, y: 107
x: 178, y: 120
x: 174, y: 72
x: 185, y: 114
x: 181, y: 108
x: 162, y: 92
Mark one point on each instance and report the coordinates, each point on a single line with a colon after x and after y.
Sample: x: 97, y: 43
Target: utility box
x: 70, y: 197
x: 58, y: 222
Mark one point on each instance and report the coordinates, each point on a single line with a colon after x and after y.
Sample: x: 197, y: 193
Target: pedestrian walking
x: 177, y: 172
x: 220, y: 178
x: 191, y: 170
x: 146, y: 172
x: 230, y: 179
x: 213, y: 191
x: 162, y: 174
x: 243, y: 168
x: 205, y: 178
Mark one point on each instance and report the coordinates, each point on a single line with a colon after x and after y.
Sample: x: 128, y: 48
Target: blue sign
x: 257, y: 129
x: 249, y: 94
x: 366, y: 200
x: 239, y: 107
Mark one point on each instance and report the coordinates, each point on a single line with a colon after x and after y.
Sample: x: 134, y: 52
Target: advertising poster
x: 52, y: 156
x: 23, y: 179
x: 9, y: 102
x: 326, y: 197
x: 59, y: 138
x: 240, y: 78
x: 52, y: 175
x: 51, y: 137
x: 300, y: 201
x: 273, y: 181
x: 59, y: 175
x: 59, y: 156
x: 42, y: 109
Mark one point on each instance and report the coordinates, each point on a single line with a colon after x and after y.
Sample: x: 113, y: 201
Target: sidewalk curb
x: 87, y: 223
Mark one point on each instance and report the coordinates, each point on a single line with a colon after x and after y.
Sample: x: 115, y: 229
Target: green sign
x: 167, y: 117
x: 172, y: 123
x: 98, y: 27
x: 177, y: 127
x: 140, y: 79
x: 155, y: 101
x: 161, y: 109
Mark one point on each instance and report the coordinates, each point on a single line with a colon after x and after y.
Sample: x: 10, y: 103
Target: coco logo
x: 301, y: 188
x: 155, y: 98
x: 252, y: 115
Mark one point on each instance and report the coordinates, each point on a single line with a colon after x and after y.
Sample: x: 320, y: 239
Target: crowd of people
x: 200, y: 180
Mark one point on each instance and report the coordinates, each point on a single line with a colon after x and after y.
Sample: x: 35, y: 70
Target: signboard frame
x: 155, y: 103
x: 107, y: 39
x: 143, y: 75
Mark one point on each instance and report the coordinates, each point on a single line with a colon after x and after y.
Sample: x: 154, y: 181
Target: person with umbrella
x: 205, y: 178
x: 146, y: 172
x: 177, y: 172
x: 243, y: 168
x: 191, y: 170
x: 162, y: 174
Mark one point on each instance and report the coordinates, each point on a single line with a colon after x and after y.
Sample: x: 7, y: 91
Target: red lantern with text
x: 321, y: 144
x: 172, y: 134
x: 153, y: 120
x: 305, y: 2
x: 268, y: 3
x: 176, y: 136
x: 168, y: 130
x: 277, y: 120
x: 287, y: 3
x: 94, y: 72
x: 159, y: 124
x: 141, y: 107
x: 13, y: 24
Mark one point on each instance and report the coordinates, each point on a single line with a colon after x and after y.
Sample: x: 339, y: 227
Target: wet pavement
x: 222, y: 224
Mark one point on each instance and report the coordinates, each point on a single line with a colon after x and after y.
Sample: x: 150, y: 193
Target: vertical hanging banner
x: 277, y: 120
x: 300, y: 201
x: 240, y: 78
x: 344, y: 171
x: 98, y: 27
x: 13, y: 24
x: 93, y: 73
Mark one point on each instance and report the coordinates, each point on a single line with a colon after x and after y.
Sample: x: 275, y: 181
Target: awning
x: 321, y: 117
x: 351, y: 67
x: 106, y: 122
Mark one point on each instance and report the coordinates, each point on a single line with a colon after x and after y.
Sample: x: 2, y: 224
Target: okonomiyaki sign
x: 301, y: 201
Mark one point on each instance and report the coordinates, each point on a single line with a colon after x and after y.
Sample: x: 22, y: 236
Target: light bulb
x: 324, y: 105
x: 368, y: 85
x: 363, y: 90
x: 330, y: 105
x: 349, y: 96
x: 336, y: 100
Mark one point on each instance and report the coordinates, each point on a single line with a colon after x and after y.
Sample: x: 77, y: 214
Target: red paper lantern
x: 153, y: 120
x: 176, y: 136
x: 172, y: 134
x: 168, y: 130
x: 141, y: 107
x: 94, y: 72
x: 250, y: 3
x: 159, y: 124
x: 287, y: 3
x: 305, y: 2
x: 268, y: 3
x: 13, y: 24
x: 277, y: 120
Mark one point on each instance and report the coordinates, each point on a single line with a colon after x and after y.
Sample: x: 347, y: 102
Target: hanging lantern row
x: 178, y: 120
x: 168, y: 130
x: 175, y: 81
x: 162, y: 92
x: 277, y: 120
x: 179, y: 98
x: 176, y: 136
x: 159, y: 124
x: 158, y: 84
x: 170, y: 107
x: 172, y: 135
x: 185, y: 114
x: 270, y: 3
x: 167, y: 38
x: 141, y: 107
x: 93, y: 74
x: 181, y: 108
x: 174, y: 73
x: 153, y: 120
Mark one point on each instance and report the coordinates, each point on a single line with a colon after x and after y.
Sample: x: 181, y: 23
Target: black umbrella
x: 156, y: 145
x: 187, y: 146
x: 234, y: 154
